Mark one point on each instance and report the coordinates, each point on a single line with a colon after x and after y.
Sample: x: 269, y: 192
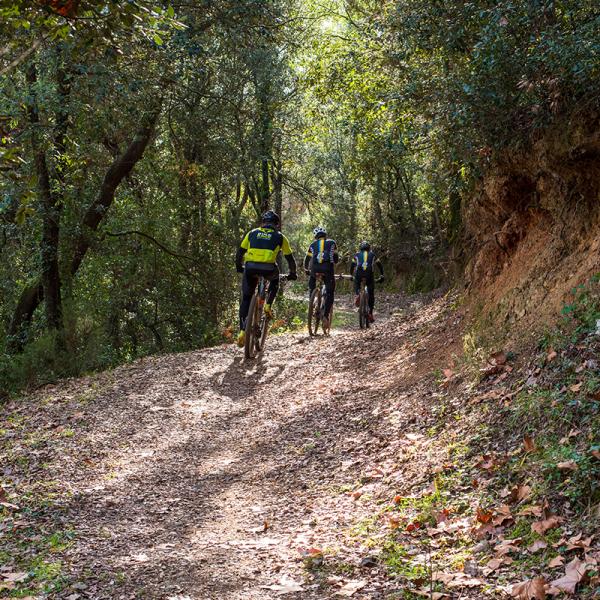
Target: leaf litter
x: 274, y: 498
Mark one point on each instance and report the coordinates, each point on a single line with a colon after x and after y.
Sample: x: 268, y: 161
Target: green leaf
x: 157, y: 39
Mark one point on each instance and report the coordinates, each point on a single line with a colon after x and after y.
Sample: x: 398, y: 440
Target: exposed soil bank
x: 533, y: 228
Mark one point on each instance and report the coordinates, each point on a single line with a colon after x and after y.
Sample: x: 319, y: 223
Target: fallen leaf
x: 350, y: 588
x: 536, y: 511
x: 576, y: 542
x: 550, y: 523
x: 506, y: 546
x: 574, y: 573
x: 503, y: 514
x: 532, y: 589
x: 529, y: 444
x: 15, y: 577
x: 414, y: 525
x: 551, y: 355
x: 576, y: 387
x: 537, y: 546
x: 484, y: 516
x: 286, y: 585
x: 557, y: 561
x: 567, y: 465
x: 517, y: 493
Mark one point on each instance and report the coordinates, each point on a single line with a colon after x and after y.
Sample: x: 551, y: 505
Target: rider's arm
x: 239, y: 257
x: 336, y: 256
x: 352, y: 266
x: 289, y: 256
x: 308, y: 258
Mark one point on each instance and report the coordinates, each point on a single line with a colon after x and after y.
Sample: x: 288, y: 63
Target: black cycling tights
x: 249, y: 283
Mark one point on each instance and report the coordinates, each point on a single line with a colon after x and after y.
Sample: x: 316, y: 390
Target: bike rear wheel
x: 327, y: 328
x: 314, y: 312
x: 253, y: 333
x: 264, y: 330
x: 363, y: 311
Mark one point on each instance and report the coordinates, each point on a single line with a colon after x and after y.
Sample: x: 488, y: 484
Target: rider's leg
x: 330, y: 288
x: 249, y: 281
x: 273, y: 278
x: 356, y: 289
x: 371, y: 284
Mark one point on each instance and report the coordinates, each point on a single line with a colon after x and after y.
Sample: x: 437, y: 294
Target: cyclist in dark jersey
x: 362, y: 266
x: 321, y: 257
x: 257, y: 255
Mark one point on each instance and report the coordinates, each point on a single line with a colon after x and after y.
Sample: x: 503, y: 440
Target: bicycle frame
x: 257, y: 323
x: 363, y: 308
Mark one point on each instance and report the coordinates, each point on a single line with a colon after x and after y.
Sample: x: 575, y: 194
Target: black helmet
x: 271, y: 218
x: 364, y: 245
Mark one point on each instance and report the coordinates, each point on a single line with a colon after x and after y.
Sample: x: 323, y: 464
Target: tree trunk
x: 119, y: 169
x: 50, y: 212
x: 277, y: 178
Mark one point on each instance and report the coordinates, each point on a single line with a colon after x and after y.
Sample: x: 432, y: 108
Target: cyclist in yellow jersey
x: 257, y: 255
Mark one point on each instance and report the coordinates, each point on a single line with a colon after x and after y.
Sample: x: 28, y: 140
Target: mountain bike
x: 363, y: 305
x: 257, y: 322
x: 316, y: 306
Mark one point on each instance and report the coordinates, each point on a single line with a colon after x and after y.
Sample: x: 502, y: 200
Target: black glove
x: 239, y: 269
x: 381, y: 279
x: 292, y: 276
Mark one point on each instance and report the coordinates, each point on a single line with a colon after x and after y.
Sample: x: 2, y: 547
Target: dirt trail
x: 199, y: 475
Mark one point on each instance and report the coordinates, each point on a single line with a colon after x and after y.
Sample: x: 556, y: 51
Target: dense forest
x: 140, y: 140
x: 450, y: 450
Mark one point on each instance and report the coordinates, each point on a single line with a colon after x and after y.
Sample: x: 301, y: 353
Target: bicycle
x: 363, y: 305
x: 316, y: 306
x: 257, y: 322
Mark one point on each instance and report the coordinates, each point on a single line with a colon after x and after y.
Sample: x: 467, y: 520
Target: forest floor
x: 365, y: 465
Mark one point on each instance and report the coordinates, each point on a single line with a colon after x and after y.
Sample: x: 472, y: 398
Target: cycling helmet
x: 319, y: 232
x: 364, y: 245
x: 270, y: 217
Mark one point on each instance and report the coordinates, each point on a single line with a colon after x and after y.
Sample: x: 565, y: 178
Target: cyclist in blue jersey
x: 321, y: 257
x: 362, y: 266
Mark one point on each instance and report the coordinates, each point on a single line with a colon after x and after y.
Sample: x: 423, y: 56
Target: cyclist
x: 362, y: 266
x: 257, y: 255
x: 321, y: 257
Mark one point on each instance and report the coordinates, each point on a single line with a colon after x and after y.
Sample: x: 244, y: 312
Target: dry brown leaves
x: 549, y: 523
x: 574, y: 572
x: 532, y: 589
x: 538, y: 588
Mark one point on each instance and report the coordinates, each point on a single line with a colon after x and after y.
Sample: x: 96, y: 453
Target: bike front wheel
x: 253, y: 333
x: 363, y: 311
x: 314, y: 312
x: 264, y: 330
x: 326, y: 324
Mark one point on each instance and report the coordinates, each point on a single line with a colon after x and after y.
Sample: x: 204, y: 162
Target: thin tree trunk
x: 50, y: 211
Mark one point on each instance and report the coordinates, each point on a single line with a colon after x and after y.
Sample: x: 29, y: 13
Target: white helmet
x: 319, y: 232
